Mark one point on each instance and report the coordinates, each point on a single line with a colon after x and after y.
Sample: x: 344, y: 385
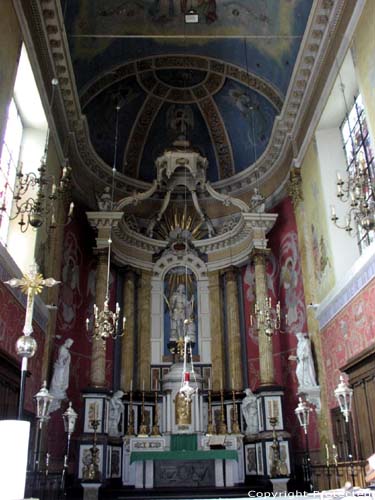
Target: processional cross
x: 31, y: 284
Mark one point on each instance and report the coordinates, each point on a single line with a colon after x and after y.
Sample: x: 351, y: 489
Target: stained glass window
x: 8, y: 166
x: 357, y: 147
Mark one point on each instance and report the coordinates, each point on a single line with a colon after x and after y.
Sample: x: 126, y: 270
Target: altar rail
x: 332, y: 477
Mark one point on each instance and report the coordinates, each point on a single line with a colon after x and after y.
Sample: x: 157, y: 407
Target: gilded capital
x: 259, y: 255
x: 294, y: 187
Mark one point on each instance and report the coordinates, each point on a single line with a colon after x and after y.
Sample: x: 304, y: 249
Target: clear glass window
x: 10, y: 153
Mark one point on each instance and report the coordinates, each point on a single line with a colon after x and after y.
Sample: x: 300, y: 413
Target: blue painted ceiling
x: 225, y: 76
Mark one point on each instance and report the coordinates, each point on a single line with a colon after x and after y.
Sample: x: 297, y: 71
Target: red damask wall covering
x: 76, y: 300
x: 284, y: 281
x: 12, y: 319
x: 351, y: 331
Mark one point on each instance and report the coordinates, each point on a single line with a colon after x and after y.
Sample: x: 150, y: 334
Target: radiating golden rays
x: 180, y: 219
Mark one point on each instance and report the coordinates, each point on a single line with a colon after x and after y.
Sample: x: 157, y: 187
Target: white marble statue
x: 105, y: 200
x: 60, y: 378
x: 249, y: 410
x: 257, y: 202
x: 116, y: 411
x: 180, y: 309
x: 305, y: 370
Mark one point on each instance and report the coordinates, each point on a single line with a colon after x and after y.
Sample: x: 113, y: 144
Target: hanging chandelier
x: 36, y: 195
x: 265, y: 318
x: 106, y: 322
x: 357, y: 190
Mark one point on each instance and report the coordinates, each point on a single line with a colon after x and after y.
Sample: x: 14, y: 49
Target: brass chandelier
x: 106, y: 322
x: 358, y: 188
x: 36, y: 210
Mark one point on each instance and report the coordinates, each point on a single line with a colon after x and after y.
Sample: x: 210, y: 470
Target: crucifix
x: 31, y: 284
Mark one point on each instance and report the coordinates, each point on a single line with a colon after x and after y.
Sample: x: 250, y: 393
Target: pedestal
x: 91, y: 491
x: 280, y: 484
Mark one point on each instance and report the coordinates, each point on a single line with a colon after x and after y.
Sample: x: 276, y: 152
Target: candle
x: 232, y: 383
x: 272, y: 409
x: 221, y: 384
x: 131, y: 385
x: 327, y: 452
x: 338, y: 176
x: 143, y: 385
x: 209, y: 383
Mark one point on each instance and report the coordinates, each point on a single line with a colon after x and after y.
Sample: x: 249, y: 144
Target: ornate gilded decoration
x: 182, y: 410
x: 295, y: 187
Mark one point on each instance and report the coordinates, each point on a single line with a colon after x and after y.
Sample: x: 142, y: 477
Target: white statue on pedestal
x: 116, y: 410
x: 249, y: 410
x: 60, y: 377
x: 305, y: 369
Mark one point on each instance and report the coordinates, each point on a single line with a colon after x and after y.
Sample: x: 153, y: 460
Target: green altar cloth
x: 183, y: 442
x: 183, y: 455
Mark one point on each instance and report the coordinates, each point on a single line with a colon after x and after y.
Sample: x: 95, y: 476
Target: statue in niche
x: 181, y: 308
x: 60, y: 377
x: 249, y: 410
x: 182, y: 410
x: 116, y: 411
x: 305, y: 369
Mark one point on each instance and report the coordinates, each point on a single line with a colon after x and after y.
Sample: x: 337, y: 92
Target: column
x: 216, y: 330
x: 233, y: 329
x: 127, y: 358
x: 310, y: 289
x: 265, y: 344
x: 97, y: 373
x: 103, y: 223
x: 144, y: 329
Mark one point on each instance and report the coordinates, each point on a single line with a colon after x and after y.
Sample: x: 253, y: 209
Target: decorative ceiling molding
x: 323, y: 20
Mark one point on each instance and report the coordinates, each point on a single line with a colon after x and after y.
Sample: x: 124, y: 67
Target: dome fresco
x: 227, y: 75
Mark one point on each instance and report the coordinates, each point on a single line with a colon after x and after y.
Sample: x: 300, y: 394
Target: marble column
x: 217, y: 350
x: 103, y: 222
x: 266, y: 367
x: 233, y: 330
x: 310, y: 286
x: 97, y: 372
x: 144, y: 329
x: 128, y: 341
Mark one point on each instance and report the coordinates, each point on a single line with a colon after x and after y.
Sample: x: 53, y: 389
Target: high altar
x: 183, y: 419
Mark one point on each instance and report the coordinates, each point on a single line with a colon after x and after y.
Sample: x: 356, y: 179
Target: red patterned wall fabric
x: 351, y: 331
x: 76, y: 300
x: 12, y: 319
x: 284, y: 281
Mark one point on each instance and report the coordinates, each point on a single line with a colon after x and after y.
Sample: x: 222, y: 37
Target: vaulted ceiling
x: 227, y: 75
x: 242, y: 85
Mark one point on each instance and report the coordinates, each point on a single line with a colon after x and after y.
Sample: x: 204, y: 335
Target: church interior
x: 187, y: 225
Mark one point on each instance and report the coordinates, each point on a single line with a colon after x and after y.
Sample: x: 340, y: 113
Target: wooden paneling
x: 361, y: 371
x: 9, y: 387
